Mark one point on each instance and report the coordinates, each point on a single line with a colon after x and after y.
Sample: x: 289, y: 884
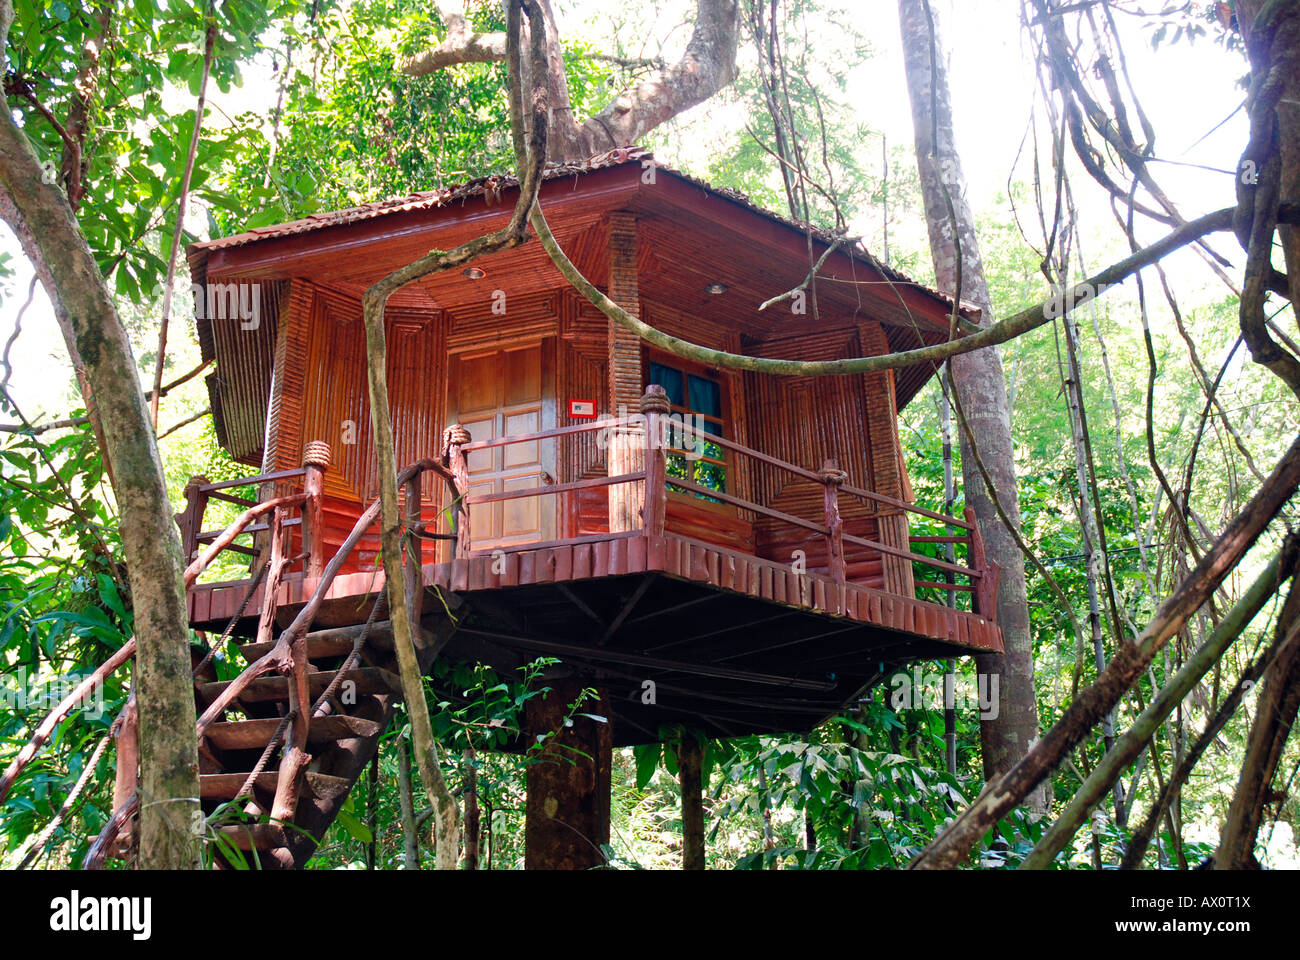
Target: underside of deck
x: 730, y: 644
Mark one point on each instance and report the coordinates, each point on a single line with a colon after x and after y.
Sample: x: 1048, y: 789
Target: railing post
x: 453, y: 457
x: 316, y: 457
x: 190, y: 520
x: 623, y: 448
x: 832, y: 476
x: 654, y: 404
x: 986, y: 576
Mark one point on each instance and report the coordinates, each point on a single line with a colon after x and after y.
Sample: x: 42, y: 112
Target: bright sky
x: 1186, y: 89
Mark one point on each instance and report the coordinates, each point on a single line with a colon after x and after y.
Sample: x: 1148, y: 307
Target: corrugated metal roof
x: 495, y: 184
x: 424, y: 200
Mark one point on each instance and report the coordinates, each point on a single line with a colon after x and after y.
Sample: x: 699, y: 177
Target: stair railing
x: 288, y: 654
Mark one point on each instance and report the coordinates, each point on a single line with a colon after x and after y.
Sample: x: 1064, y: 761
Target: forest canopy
x: 1102, y: 197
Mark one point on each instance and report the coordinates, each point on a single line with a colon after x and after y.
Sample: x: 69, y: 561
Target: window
x: 696, y: 403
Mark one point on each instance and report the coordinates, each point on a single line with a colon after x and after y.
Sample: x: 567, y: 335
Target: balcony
x: 772, y: 631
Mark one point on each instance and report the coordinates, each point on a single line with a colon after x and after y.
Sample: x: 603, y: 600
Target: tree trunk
x: 566, y: 818
x: 471, y: 810
x: 410, y: 830
x: 41, y: 217
x: 981, y: 388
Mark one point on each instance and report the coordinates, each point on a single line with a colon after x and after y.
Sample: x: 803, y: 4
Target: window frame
x: 725, y: 461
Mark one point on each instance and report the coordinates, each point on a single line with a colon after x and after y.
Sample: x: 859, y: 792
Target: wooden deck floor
x: 735, y: 644
x: 620, y: 555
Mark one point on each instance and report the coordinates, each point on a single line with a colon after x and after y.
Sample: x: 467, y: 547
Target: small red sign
x: 582, y: 409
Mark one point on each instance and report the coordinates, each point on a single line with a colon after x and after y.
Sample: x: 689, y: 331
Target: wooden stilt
x: 690, y: 762
x: 568, y: 793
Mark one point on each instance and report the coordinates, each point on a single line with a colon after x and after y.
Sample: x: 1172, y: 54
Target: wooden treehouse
x: 729, y: 552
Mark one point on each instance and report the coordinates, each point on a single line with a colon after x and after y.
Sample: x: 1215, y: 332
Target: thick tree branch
x: 462, y: 44
x: 1000, y: 332
x: 951, y: 847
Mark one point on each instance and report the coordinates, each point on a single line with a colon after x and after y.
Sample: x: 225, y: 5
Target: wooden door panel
x: 520, y: 455
x: 481, y: 461
x: 521, y: 519
x: 523, y: 375
x: 499, y: 393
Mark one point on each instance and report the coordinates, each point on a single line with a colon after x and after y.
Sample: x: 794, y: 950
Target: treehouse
x: 726, y: 551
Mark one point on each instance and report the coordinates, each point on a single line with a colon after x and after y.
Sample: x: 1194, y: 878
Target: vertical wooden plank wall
x: 887, y: 466
x: 583, y: 362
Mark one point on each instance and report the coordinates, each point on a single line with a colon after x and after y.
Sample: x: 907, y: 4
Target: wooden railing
x: 638, y: 482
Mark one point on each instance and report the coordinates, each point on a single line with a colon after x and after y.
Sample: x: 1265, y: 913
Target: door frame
x: 548, y: 342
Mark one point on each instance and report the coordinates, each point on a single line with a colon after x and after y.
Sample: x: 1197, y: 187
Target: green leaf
x: 354, y: 827
x: 647, y: 760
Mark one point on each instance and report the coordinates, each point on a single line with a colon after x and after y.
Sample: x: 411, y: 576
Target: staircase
x: 281, y: 746
x: 342, y: 738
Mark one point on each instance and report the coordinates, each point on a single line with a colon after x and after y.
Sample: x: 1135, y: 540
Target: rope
x: 252, y: 589
x: 260, y: 767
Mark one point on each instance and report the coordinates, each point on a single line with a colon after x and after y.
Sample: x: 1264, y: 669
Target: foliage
x: 347, y: 127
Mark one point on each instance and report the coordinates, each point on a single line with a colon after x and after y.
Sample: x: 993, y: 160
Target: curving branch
x: 1000, y: 332
x: 60, y: 713
x: 707, y: 66
x: 462, y: 44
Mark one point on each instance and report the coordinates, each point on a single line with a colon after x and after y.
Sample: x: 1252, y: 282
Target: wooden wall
x: 319, y: 392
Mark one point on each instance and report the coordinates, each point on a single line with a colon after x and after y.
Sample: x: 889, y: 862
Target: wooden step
x: 254, y: 734
x: 323, y: 644
x: 367, y: 680
x: 224, y: 786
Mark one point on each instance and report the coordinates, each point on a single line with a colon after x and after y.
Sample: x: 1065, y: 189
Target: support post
x: 567, y: 809
x: 690, y: 765
x: 623, y: 369
x: 832, y: 476
x: 625, y: 448
x: 654, y: 404
x: 316, y: 457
